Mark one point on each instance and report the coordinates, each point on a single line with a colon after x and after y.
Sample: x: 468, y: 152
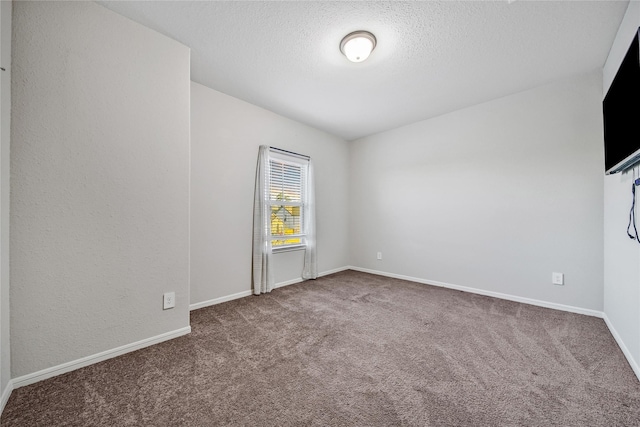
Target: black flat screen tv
x: 621, y: 113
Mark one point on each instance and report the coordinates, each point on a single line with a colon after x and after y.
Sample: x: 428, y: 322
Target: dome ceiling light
x: 357, y: 46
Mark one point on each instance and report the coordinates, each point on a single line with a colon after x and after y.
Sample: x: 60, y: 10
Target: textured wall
x: 99, y: 183
x: 621, y: 254
x: 495, y: 197
x: 225, y: 135
x: 5, y: 113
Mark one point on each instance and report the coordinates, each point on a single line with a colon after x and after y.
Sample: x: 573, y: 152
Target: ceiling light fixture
x: 357, y: 46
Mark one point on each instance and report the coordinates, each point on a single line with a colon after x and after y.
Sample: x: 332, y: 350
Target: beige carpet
x: 353, y: 349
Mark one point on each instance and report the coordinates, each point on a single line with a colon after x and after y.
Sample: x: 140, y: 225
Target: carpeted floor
x: 353, y: 349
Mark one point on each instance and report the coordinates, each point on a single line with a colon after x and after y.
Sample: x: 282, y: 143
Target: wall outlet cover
x: 169, y: 300
x: 557, y: 278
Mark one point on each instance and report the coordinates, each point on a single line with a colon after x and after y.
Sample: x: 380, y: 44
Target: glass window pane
x: 285, y: 220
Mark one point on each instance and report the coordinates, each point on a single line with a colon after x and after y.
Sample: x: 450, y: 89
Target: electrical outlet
x: 557, y: 278
x: 379, y: 255
x: 169, y: 300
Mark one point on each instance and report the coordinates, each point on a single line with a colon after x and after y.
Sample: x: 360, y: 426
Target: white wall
x: 494, y: 197
x: 5, y: 121
x: 99, y: 183
x: 225, y: 136
x: 621, y: 254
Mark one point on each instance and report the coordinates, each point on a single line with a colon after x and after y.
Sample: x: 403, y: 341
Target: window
x: 287, y: 197
x: 283, y: 213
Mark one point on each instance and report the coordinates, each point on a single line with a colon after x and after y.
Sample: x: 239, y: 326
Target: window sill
x: 288, y: 248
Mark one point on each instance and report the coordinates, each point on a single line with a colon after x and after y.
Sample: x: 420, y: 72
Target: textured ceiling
x: 432, y: 57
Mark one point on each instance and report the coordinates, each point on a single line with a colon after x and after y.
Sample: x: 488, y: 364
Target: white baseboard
x: 288, y: 282
x: 6, y: 393
x: 335, y: 270
x: 623, y: 347
x: 243, y: 294
x: 300, y: 280
x: 546, y: 304
x: 95, y: 358
x: 219, y: 300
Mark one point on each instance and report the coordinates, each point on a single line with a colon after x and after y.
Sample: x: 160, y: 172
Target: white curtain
x: 262, y: 269
x: 310, y: 269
